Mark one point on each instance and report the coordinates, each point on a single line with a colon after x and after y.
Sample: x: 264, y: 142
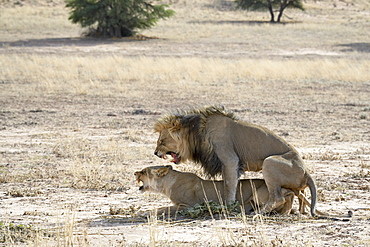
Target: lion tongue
x: 176, y: 159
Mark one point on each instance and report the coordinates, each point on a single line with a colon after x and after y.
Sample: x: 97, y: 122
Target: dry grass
x: 36, y: 22
x: 76, y: 113
x: 119, y: 75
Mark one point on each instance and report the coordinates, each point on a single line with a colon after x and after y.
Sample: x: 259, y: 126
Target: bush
x: 116, y: 18
x: 271, y: 5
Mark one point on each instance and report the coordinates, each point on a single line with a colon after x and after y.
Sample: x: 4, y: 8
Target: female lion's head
x: 149, y: 177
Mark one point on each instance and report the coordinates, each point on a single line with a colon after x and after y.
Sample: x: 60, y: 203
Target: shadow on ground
x: 60, y: 42
x: 359, y: 47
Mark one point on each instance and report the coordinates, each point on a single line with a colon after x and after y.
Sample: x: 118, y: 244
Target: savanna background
x: 76, y: 117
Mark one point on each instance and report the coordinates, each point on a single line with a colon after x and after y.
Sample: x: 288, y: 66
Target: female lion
x: 187, y: 189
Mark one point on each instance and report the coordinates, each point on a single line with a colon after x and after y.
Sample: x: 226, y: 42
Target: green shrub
x: 116, y: 18
x: 211, y: 208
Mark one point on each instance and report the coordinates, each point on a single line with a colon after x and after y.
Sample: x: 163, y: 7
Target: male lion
x: 187, y: 189
x: 224, y: 145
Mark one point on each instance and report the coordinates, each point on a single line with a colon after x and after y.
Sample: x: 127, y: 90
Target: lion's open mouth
x: 141, y: 184
x: 175, y: 156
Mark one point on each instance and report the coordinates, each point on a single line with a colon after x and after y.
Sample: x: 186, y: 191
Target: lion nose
x: 156, y: 152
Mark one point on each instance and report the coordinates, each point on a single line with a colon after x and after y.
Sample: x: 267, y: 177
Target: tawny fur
x: 224, y: 145
x: 187, y: 189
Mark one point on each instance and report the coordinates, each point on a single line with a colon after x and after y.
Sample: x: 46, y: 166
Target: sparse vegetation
x: 12, y: 233
x: 116, y: 18
x: 76, y: 119
x: 212, y: 209
x: 130, y: 211
x: 23, y: 192
x: 271, y: 6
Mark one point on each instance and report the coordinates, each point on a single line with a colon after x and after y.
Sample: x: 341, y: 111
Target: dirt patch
x: 66, y: 163
x: 67, y: 157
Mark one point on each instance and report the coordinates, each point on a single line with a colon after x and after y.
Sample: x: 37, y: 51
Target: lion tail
x: 312, y: 186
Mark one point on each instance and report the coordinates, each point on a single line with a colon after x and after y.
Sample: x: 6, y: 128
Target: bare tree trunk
x: 111, y: 31
x: 271, y: 12
x: 118, y: 32
x: 281, y: 10
x: 280, y: 15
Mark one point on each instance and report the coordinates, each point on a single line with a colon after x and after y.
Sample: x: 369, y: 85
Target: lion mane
x: 192, y: 138
x: 222, y: 144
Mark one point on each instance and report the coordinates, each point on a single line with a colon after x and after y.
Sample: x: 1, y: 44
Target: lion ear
x: 162, y: 171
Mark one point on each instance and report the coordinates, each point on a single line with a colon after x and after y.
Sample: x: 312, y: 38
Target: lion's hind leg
x: 286, y: 207
x: 302, y: 201
x: 258, y: 197
x: 281, y: 171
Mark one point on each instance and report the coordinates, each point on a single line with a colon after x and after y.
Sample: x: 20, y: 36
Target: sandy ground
x: 70, y: 195
x: 335, y: 146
